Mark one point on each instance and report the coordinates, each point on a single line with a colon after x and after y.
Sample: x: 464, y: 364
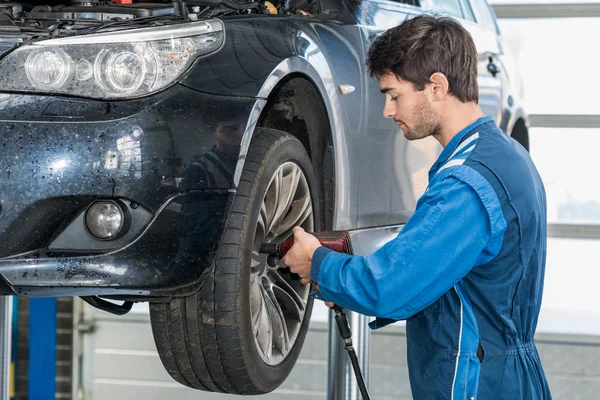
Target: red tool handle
x: 335, y: 240
x: 338, y: 241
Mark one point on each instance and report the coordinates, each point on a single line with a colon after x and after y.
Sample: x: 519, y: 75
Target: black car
x: 149, y: 149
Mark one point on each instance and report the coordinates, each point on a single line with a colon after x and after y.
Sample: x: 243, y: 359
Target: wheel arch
x: 294, y: 99
x: 295, y: 106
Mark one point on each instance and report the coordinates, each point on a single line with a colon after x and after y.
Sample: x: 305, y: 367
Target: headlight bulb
x: 48, y: 68
x: 120, y: 72
x: 125, y: 71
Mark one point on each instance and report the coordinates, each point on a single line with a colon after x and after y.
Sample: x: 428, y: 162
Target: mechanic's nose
x: 388, y: 110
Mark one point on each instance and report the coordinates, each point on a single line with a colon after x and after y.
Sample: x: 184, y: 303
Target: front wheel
x: 242, y: 332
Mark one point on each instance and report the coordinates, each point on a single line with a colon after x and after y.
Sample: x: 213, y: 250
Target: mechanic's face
x: 229, y: 133
x: 410, y: 109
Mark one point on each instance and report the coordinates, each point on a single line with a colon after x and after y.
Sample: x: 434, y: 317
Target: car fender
x: 313, y: 69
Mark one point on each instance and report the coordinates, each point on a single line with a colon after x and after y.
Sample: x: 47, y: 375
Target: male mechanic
x: 467, y: 269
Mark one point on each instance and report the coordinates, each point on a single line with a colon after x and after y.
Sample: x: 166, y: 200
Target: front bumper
x: 168, y: 258
x: 59, y: 155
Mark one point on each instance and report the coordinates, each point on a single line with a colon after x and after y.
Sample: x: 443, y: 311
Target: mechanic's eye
x: 232, y: 128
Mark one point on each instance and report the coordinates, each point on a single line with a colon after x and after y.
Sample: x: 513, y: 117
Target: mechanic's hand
x: 299, y: 258
x: 329, y: 304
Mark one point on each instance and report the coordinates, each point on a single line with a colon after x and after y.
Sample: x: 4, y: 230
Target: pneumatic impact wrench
x: 337, y: 241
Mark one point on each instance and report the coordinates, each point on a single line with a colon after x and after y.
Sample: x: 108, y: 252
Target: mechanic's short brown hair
x: 423, y: 45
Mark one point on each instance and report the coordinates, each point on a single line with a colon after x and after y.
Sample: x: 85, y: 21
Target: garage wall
x: 564, y: 138
x: 123, y: 364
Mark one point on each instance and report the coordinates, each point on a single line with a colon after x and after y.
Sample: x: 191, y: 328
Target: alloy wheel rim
x: 277, y: 299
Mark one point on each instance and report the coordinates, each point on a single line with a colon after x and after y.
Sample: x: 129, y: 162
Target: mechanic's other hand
x: 329, y: 304
x: 299, y: 258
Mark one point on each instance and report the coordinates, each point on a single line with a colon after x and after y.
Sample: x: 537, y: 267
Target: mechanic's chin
x: 408, y: 134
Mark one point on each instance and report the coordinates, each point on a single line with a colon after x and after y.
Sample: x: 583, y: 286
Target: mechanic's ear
x: 439, y: 85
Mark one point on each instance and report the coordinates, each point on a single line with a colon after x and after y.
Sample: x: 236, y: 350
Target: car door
x: 393, y: 171
x: 490, y: 70
x: 486, y: 23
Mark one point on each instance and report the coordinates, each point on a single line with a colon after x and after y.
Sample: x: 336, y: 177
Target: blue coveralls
x: 466, y: 272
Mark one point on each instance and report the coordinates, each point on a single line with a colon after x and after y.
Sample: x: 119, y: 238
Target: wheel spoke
x: 256, y: 307
x: 255, y: 291
x: 286, y: 294
x: 255, y: 296
x: 264, y: 216
x: 261, y: 228
x: 255, y: 303
x: 272, y: 198
x: 263, y: 328
x: 287, y: 190
x: 255, y: 262
x: 300, y: 210
x: 255, y: 270
x: 280, y: 335
x: 291, y: 308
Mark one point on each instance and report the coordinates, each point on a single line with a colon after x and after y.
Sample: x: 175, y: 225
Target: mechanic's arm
x: 444, y: 239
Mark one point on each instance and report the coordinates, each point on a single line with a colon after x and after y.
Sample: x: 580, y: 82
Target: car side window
x: 485, y: 14
x: 467, y: 10
x: 450, y: 7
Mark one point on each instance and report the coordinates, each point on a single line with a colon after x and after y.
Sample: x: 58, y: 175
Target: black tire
x: 521, y: 134
x: 207, y: 340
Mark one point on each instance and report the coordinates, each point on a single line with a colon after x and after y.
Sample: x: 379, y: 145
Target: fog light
x: 105, y: 219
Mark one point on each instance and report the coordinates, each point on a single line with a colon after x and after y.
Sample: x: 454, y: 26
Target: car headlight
x: 113, y: 65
